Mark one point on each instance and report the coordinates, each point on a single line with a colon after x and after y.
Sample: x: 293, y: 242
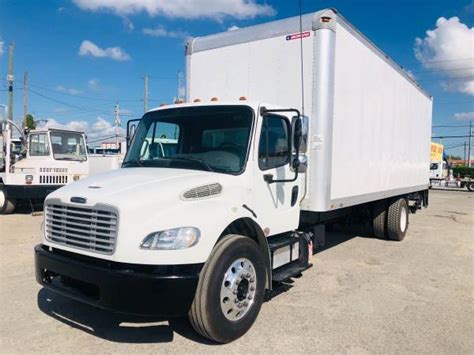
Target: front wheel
x: 7, y: 205
x: 470, y: 186
x: 230, y: 291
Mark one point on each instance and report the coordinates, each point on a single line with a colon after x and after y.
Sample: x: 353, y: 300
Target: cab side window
x: 275, y: 146
x: 39, y: 145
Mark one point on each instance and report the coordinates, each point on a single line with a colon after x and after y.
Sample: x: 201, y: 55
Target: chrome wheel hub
x: 403, y: 219
x: 238, y: 289
x: 2, y: 199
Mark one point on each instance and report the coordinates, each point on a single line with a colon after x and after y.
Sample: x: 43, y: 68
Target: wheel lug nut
x: 248, y: 275
x: 249, y: 297
x: 252, y: 279
x: 246, y: 303
x: 234, y: 292
x: 252, y: 288
x: 236, y: 300
x: 240, y: 305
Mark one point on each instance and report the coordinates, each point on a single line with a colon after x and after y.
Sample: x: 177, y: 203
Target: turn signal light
x: 214, y: 99
x: 28, y: 179
x: 197, y: 100
x: 242, y: 98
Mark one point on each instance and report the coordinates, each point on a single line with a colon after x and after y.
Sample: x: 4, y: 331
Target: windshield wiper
x: 69, y: 159
x: 199, y: 160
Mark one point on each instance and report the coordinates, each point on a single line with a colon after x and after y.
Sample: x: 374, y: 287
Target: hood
x: 132, y: 186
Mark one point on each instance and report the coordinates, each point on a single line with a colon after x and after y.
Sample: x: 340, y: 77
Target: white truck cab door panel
x: 276, y: 203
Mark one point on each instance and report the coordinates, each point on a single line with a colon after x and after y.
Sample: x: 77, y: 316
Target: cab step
x: 289, y: 255
x: 288, y: 271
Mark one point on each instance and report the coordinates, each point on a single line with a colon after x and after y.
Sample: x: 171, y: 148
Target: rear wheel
x: 470, y: 186
x: 379, y: 219
x: 397, y: 219
x: 7, y: 205
x: 230, y: 291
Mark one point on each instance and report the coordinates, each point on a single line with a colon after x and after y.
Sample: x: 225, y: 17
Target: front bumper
x: 30, y: 191
x: 164, y: 290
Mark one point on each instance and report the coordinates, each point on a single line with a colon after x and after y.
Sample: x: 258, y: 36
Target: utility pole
x: 145, y: 93
x: 25, y: 97
x: 469, y: 147
x: 464, y: 156
x: 10, y: 82
x: 117, y: 124
x: 180, y: 88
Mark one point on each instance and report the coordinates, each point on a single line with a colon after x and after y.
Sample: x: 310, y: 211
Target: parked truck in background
x: 438, y: 166
x: 204, y: 230
x: 39, y: 162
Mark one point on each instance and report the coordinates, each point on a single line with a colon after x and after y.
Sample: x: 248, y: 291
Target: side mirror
x: 300, y: 131
x: 131, y: 129
x: 297, y: 134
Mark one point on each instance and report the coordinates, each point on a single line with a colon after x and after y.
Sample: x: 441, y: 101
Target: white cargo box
x: 370, y: 123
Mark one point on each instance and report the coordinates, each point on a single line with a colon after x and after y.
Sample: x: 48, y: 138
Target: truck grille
x: 92, y: 229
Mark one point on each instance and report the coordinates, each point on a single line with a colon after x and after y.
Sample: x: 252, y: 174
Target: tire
x: 379, y: 219
x: 211, y: 315
x: 7, y: 206
x: 397, y: 219
x: 470, y: 186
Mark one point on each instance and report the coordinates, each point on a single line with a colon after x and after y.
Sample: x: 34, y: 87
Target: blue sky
x: 127, y: 39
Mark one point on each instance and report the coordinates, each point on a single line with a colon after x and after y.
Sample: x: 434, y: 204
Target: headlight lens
x: 172, y: 239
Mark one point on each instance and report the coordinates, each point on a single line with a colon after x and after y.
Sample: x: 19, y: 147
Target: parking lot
x: 363, y: 295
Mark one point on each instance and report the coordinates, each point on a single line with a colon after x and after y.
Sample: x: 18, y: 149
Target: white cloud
x: 96, y: 132
x: 464, y: 116
x: 163, y: 32
x: 470, y: 7
x: 129, y: 26
x: 190, y: 9
x: 233, y: 28
x: 93, y: 84
x: 61, y: 110
x: 70, y: 91
x: 448, y: 50
x: 410, y: 74
x: 90, y: 48
x: 2, y: 50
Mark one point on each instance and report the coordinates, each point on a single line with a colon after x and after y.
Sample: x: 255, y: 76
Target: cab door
x: 276, y: 202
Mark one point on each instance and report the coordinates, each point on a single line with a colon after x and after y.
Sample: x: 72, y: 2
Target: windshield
x: 68, y: 146
x: 210, y: 138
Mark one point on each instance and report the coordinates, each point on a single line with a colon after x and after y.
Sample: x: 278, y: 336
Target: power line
x: 79, y: 96
x: 440, y: 70
x: 443, y: 137
x: 451, y: 126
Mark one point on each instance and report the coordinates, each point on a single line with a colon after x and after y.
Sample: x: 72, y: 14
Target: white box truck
x: 243, y: 195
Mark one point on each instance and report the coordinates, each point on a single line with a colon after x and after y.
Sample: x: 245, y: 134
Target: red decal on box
x: 298, y: 35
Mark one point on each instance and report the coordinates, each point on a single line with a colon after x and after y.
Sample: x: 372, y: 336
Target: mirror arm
x: 295, y: 164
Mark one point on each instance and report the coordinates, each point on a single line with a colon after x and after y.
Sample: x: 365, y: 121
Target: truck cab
x: 231, y: 169
x: 38, y: 163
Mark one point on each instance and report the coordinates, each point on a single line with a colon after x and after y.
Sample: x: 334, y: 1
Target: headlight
x: 172, y: 239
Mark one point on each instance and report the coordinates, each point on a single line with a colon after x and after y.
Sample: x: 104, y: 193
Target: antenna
x: 301, y: 59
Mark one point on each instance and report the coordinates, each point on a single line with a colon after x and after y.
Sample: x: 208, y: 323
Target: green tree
x: 30, y: 122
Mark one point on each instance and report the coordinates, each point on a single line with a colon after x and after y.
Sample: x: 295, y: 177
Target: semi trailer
x: 287, y: 127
